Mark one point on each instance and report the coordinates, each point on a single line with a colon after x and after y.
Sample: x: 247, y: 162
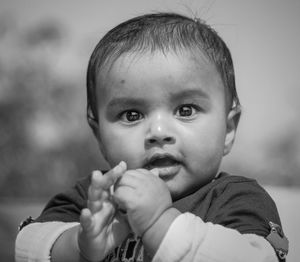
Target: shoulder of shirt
x: 224, y: 177
x: 224, y: 180
x: 223, y: 183
x: 233, y: 184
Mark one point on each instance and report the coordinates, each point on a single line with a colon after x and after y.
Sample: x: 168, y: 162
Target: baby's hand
x: 144, y: 196
x: 101, y: 230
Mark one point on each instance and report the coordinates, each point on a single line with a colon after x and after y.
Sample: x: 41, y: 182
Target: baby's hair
x: 164, y: 32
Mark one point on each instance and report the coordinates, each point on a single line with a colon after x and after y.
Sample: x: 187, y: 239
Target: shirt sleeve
x: 190, y: 239
x: 234, y: 202
x: 66, y: 207
x: 36, y: 238
x: 34, y: 242
x: 244, y: 206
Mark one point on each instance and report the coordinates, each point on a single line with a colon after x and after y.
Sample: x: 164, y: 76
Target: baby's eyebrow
x: 126, y: 101
x: 187, y: 93
x: 123, y: 102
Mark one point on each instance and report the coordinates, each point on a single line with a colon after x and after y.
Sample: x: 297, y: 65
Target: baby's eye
x: 186, y: 111
x: 131, y: 116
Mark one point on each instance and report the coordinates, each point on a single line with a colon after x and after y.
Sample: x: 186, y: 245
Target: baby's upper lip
x: 161, y: 160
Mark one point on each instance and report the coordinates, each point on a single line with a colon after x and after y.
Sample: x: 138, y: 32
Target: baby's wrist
x: 153, y: 235
x: 84, y: 257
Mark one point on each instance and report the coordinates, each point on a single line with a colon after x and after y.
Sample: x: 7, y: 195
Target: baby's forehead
x: 125, y: 61
x: 171, y: 72
x: 179, y: 70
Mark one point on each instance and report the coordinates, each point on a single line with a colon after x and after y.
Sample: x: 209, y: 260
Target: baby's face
x: 166, y: 112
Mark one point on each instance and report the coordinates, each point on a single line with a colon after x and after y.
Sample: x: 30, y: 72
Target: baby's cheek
x: 127, y: 151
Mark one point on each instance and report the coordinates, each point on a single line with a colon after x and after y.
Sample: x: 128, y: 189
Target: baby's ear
x: 93, y: 123
x: 232, y: 122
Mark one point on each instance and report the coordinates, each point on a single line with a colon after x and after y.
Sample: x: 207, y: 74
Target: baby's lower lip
x: 168, y: 171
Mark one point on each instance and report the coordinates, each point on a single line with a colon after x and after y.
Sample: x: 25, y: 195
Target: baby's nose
x: 160, y: 131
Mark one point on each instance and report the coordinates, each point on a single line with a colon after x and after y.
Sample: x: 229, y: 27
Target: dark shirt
x: 232, y: 201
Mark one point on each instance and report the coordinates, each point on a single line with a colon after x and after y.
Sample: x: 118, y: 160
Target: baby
x: 163, y: 106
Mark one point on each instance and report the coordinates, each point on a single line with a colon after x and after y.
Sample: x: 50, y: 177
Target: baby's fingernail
x: 96, y: 173
x: 117, y: 168
x: 123, y: 165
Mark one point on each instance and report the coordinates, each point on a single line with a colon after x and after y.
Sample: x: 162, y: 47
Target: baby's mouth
x: 161, y: 162
x: 167, y: 165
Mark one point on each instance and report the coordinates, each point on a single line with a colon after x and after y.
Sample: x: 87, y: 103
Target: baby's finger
x: 94, y: 224
x: 94, y: 206
x: 96, y: 197
x: 155, y: 172
x: 124, y: 196
x: 127, y: 180
x: 105, y: 216
x: 112, y: 175
x: 97, y: 179
x: 86, y: 220
x: 95, y: 193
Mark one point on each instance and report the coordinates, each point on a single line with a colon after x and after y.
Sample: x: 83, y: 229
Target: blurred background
x: 46, y: 144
